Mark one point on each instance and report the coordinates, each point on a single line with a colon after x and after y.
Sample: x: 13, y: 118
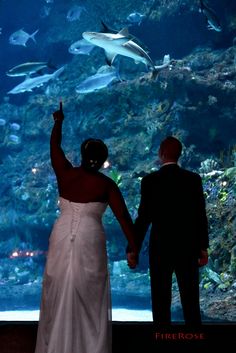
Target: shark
x: 31, y: 82
x: 121, y: 43
x: 104, y: 77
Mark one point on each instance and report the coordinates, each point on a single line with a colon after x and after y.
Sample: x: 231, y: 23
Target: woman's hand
x: 59, y: 115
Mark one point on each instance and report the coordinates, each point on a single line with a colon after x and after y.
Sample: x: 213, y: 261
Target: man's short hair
x: 171, y: 148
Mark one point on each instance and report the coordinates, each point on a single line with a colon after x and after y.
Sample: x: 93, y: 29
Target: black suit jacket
x: 172, y: 201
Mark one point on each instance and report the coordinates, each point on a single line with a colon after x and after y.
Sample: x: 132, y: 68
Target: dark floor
x: 134, y: 338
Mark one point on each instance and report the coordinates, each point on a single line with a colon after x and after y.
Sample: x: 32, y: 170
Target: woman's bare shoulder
x: 106, y: 179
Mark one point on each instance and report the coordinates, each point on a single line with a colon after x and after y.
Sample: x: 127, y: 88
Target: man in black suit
x: 172, y: 201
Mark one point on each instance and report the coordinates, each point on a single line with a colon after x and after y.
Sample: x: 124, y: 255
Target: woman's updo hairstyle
x: 94, y: 153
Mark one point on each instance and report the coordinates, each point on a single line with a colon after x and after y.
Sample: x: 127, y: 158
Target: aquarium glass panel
x: 160, y: 68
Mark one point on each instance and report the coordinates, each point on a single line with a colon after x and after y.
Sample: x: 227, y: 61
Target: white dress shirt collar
x: 168, y: 163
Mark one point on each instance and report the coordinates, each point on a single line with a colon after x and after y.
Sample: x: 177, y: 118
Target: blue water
x: 193, y: 99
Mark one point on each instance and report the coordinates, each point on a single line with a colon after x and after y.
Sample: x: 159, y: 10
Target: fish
x: 15, y: 126
x: 135, y: 18
x: 106, y: 29
x: 14, y: 139
x: 21, y: 37
x: 212, y: 19
x: 104, y: 77
x: 30, y: 83
x: 2, y: 122
x: 81, y: 47
x: 119, y: 44
x: 26, y: 69
x: 74, y: 13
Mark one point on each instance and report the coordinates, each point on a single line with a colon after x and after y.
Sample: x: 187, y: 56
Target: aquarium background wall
x: 193, y: 98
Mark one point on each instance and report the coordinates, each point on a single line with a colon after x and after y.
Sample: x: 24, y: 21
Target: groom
x: 172, y: 201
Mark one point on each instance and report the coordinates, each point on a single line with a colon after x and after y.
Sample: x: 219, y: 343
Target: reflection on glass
x: 175, y: 76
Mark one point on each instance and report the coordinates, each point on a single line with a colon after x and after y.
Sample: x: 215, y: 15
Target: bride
x: 75, y: 313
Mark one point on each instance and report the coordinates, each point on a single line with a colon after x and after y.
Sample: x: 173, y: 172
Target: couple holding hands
x: 75, y: 313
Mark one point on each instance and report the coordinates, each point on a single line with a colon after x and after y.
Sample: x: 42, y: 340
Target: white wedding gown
x: 75, y: 315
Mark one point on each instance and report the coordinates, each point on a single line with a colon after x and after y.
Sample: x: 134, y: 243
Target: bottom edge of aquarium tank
x: 117, y: 315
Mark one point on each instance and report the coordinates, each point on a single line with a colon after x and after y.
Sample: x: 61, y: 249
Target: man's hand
x: 132, y: 259
x: 203, y: 259
x: 59, y: 115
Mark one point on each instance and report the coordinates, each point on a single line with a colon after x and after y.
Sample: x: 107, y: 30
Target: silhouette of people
x: 172, y: 201
x: 75, y: 313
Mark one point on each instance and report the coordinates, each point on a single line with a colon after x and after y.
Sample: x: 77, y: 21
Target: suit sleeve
x: 202, y: 217
x: 58, y: 159
x: 143, y: 220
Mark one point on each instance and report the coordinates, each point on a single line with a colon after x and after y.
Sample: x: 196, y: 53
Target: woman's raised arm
x: 58, y: 159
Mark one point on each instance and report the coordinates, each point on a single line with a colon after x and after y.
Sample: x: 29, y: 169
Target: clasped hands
x: 132, y: 259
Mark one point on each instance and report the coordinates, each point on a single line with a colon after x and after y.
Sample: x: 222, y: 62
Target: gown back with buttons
x: 75, y: 315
